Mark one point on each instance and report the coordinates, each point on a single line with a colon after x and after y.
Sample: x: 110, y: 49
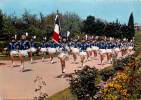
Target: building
x: 137, y: 27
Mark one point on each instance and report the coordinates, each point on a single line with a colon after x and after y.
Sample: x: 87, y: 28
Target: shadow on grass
x: 59, y: 76
x: 67, y: 75
x: 34, y: 62
x: 63, y: 95
x: 27, y: 70
x: 16, y: 66
x: 2, y: 64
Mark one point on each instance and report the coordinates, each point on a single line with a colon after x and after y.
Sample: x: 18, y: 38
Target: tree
x: 49, y: 24
x: 70, y: 22
x: 1, y: 21
x: 98, y: 27
x: 131, y: 26
x: 8, y: 27
x: 89, y: 24
x: 42, y: 21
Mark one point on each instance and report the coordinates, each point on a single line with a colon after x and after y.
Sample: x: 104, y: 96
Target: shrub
x: 106, y: 73
x: 125, y: 84
x: 114, y: 89
x: 3, y: 44
x: 134, y: 78
x: 83, y: 83
x: 121, y: 63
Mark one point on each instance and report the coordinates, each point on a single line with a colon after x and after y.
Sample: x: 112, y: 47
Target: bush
x: 83, y: 83
x: 3, y: 44
x: 114, y: 88
x: 121, y: 63
x: 106, y: 73
x: 126, y: 83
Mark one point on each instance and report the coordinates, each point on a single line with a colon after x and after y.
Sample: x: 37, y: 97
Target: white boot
x: 22, y: 68
x: 52, y: 61
x: 42, y: 59
x: 63, y: 73
x: 31, y: 61
x: 13, y: 64
x: 64, y: 70
x: 82, y: 65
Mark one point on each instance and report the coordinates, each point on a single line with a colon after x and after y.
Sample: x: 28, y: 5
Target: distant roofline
x: 137, y: 25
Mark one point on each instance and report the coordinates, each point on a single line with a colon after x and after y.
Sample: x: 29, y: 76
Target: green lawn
x: 138, y: 41
x: 7, y: 57
x: 63, y: 95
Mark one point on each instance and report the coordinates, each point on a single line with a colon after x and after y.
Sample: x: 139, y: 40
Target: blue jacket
x: 24, y: 44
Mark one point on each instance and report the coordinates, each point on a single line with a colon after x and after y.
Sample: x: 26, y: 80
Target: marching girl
x: 32, y: 49
x: 102, y: 51
x: 88, y: 50
x: 109, y: 52
x: 75, y: 51
x: 43, y: 49
x: 95, y: 49
x: 63, y: 56
x: 24, y: 46
x: 83, y: 53
x: 123, y: 49
x: 13, y: 47
x: 130, y: 47
x: 126, y: 48
x: 52, y: 50
x: 116, y: 49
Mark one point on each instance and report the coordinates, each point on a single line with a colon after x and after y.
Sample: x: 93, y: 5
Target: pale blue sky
x: 108, y: 10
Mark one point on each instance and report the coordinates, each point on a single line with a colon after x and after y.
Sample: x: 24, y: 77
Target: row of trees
x: 38, y: 25
x: 113, y: 29
x: 44, y: 25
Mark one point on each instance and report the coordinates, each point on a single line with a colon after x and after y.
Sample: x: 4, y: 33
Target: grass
x: 138, y: 44
x: 63, y: 95
x: 7, y: 57
x: 138, y: 41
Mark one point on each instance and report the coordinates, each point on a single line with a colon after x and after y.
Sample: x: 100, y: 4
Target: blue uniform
x: 32, y: 44
x: 88, y: 45
x: 51, y: 45
x: 78, y: 45
x: 83, y: 46
x: 12, y: 46
x: 24, y: 45
x: 55, y: 45
x: 64, y: 47
x: 43, y: 45
x: 75, y: 45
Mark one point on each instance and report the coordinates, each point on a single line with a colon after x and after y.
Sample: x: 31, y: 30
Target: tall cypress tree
x: 1, y: 22
x: 131, y: 26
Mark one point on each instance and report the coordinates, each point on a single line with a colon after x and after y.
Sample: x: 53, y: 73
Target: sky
x: 109, y: 10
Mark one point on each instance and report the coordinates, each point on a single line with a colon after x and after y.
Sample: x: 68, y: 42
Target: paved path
x: 19, y: 85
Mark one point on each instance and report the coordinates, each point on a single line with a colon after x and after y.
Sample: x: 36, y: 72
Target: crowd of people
x: 85, y: 47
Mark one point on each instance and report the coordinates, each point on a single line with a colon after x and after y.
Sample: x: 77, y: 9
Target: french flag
x: 56, y: 30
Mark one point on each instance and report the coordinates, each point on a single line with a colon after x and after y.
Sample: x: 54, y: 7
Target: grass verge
x: 138, y: 41
x: 63, y: 95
